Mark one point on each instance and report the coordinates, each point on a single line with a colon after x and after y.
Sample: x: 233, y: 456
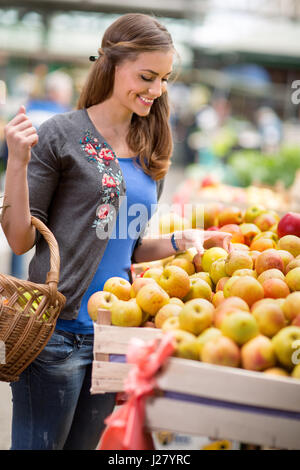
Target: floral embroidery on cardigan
x: 111, y: 177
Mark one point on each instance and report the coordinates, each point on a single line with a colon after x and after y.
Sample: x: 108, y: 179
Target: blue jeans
x: 52, y: 404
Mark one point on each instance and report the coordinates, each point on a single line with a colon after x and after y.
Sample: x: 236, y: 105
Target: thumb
x: 22, y: 109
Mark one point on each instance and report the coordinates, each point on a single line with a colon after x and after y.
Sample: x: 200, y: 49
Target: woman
x: 74, y: 176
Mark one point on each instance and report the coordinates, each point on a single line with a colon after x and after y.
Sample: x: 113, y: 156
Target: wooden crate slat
x: 220, y: 423
x: 108, y: 376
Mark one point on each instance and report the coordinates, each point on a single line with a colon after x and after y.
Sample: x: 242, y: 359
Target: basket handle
x: 53, y: 275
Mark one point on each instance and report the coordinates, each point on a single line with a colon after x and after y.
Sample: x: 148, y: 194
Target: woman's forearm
x: 152, y: 249
x: 16, y: 217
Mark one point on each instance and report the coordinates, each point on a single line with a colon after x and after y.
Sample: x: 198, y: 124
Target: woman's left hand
x: 202, y: 239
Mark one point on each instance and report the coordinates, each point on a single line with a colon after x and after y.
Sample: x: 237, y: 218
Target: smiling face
x: 138, y: 83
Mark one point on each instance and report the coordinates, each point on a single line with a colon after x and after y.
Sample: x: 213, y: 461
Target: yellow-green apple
x: 289, y: 224
x: 254, y: 254
x: 245, y: 272
x: 167, y: 311
x: 270, y: 274
x: 170, y: 222
x: 119, y: 287
x: 184, y: 264
x: 239, y: 247
x: 252, y: 212
x: 230, y: 215
x: 138, y: 283
x: 262, y: 244
x: 199, y: 289
x: 126, y: 313
x: 258, y: 354
x: 206, y: 335
x: 151, y: 298
x: 186, y: 345
x: 171, y: 323
x: 290, y: 243
x: 296, y: 372
x: 268, y: 234
x: 188, y: 254
x: 240, y: 326
x: 176, y: 301
x: 234, y: 229
x: 227, y: 307
x: 265, y: 220
x: 221, y: 283
x: 275, y: 288
x: 217, y: 270
x: 222, y: 351
x: 268, y: 259
x: 248, y: 288
x: 249, y: 230
x: 295, y: 263
x: 218, y: 298
x: 211, y: 255
x: 291, y: 306
x: 276, y: 371
x: 228, y: 285
x: 292, y: 279
x: 237, y: 260
x: 269, y: 317
x: 211, y: 212
x: 153, y: 273
x: 203, y: 275
x: 196, y: 316
x: 285, y: 344
x: 175, y: 281
x: 99, y: 299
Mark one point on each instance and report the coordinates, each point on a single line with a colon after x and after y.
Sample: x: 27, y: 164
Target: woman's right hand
x: 20, y: 136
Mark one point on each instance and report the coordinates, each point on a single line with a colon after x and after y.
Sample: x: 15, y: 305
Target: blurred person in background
x: 72, y: 174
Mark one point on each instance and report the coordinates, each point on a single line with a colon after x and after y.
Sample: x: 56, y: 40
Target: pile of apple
x: 237, y: 309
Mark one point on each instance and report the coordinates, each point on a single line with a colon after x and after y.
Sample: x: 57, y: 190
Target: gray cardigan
x: 75, y: 182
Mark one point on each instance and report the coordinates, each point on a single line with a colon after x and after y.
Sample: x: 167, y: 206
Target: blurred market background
x: 235, y: 102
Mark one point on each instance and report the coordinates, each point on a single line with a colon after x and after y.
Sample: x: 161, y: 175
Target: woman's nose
x: 156, y: 89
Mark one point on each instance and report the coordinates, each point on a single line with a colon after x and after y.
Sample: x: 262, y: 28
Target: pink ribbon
x: 125, y: 426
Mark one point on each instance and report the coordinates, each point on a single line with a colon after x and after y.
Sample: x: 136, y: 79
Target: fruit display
x: 239, y: 308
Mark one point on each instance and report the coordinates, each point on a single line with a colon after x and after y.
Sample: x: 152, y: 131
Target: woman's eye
x: 146, y: 78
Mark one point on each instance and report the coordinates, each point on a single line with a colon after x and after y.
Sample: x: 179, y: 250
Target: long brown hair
x: 149, y: 137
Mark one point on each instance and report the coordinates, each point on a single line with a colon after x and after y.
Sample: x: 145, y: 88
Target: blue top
x: 136, y: 209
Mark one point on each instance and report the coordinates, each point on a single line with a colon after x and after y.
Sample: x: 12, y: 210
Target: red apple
x: 289, y: 224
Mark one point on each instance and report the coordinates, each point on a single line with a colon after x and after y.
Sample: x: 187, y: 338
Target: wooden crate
x: 203, y: 399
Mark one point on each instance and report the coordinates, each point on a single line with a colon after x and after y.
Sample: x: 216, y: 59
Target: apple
x: 292, y: 279
x: 269, y: 317
x: 198, y: 289
x: 196, y: 316
x: 276, y: 371
x: 218, y: 298
x: 211, y: 255
x: 268, y: 234
x: 289, y: 224
x: 186, y: 345
x: 240, y: 247
x: 217, y: 270
x: 203, y: 275
x: 176, y: 301
x: 211, y: 212
x: 258, y: 354
x: 126, y: 313
x: 284, y: 345
x: 230, y: 215
x: 166, y: 311
x: 252, y: 212
x: 171, y: 323
x: 205, y: 336
x: 197, y: 261
x: 175, y: 281
x: 265, y: 221
x: 290, y: 243
x: 138, y: 283
x: 188, y: 254
x: 151, y: 298
x: 234, y: 229
x: 237, y: 260
x: 248, y: 288
x: 240, y: 326
x: 249, y: 230
x: 184, y: 264
x: 227, y: 307
x: 170, y: 222
x: 222, y: 351
x: 221, y: 283
x: 153, y: 273
x: 295, y: 263
x: 245, y: 272
x: 262, y: 244
x: 296, y: 372
x: 228, y: 285
x: 99, y: 299
x: 268, y: 259
x: 254, y: 254
x: 275, y: 288
x: 119, y: 287
x: 291, y: 306
x: 272, y: 273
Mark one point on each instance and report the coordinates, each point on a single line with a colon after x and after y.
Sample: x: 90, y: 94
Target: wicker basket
x: 28, y: 314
